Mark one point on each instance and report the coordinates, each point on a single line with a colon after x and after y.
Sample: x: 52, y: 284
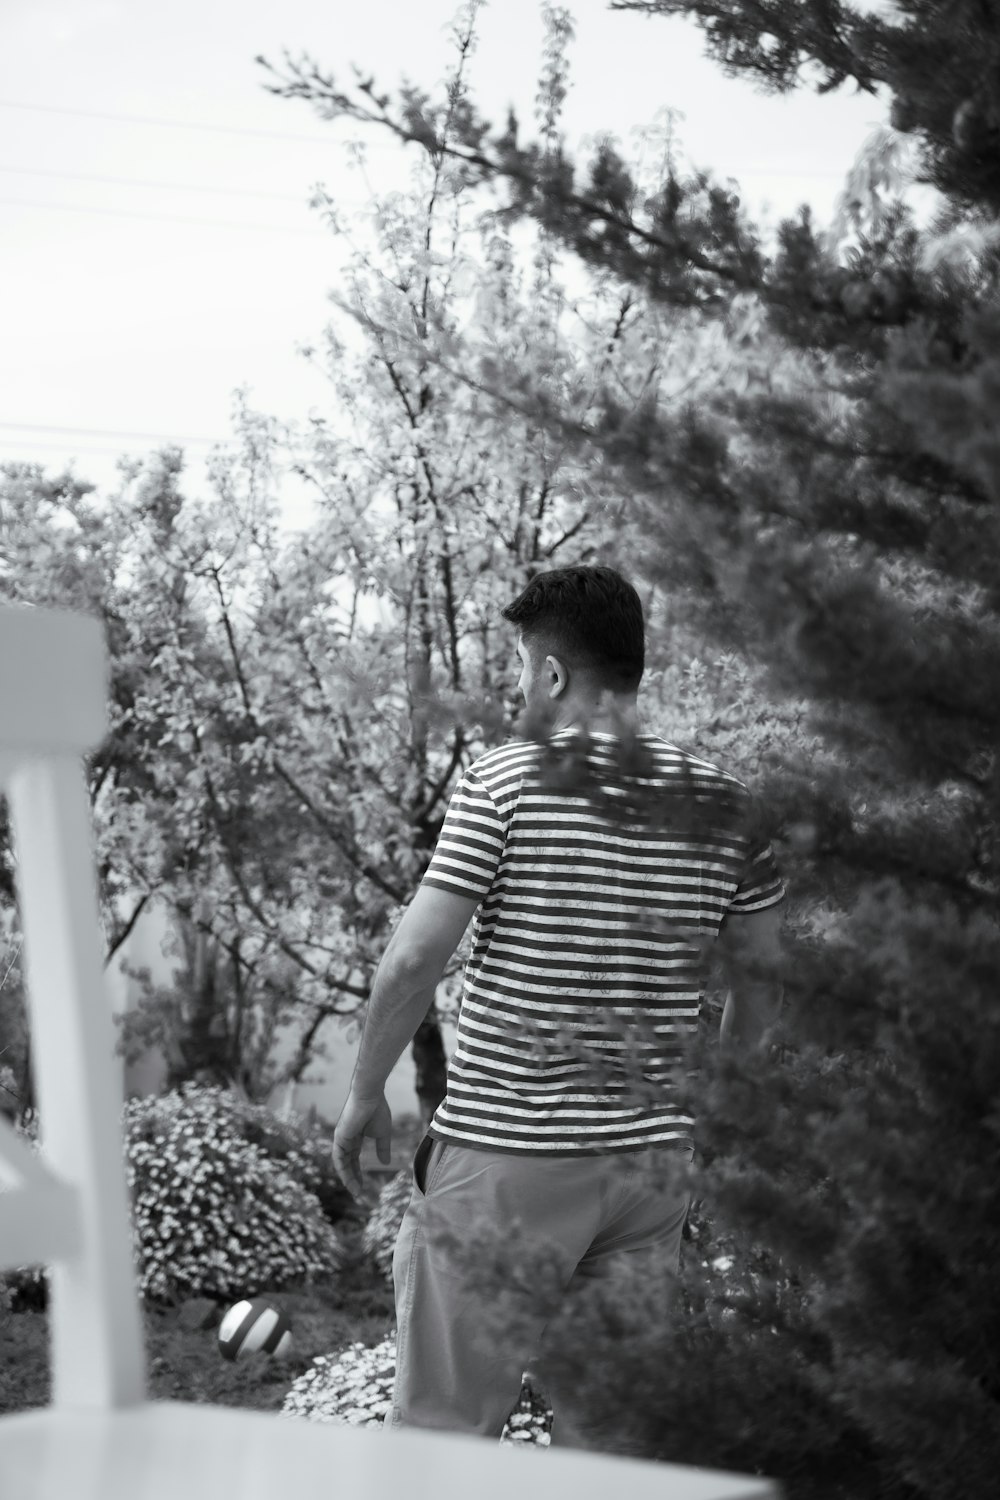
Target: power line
x: 57, y: 448
x: 105, y: 432
x: 25, y: 452
x: 99, y: 114
x: 28, y: 452
x: 180, y: 187
x: 279, y: 135
x: 125, y: 213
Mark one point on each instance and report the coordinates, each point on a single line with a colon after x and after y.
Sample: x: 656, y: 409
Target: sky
x: 159, y: 248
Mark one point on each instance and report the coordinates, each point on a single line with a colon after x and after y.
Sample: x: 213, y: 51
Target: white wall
x: 144, y: 948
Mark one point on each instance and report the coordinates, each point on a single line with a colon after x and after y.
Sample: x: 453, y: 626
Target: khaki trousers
x: 595, y: 1210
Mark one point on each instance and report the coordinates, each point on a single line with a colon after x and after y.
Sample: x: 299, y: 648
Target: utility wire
x: 180, y: 187
x: 96, y: 114
x: 24, y: 455
x: 28, y: 452
x: 115, y: 432
x: 278, y: 135
x: 126, y: 213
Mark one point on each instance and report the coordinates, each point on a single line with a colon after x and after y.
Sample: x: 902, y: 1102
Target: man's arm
x: 403, y: 990
x: 751, y: 949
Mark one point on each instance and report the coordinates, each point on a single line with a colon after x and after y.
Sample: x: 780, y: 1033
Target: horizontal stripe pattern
x: 588, y: 934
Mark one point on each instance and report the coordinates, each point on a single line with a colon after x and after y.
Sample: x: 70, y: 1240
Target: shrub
x: 213, y: 1213
x: 355, y: 1387
x: 379, y: 1239
x: 225, y: 1199
x: 305, y: 1153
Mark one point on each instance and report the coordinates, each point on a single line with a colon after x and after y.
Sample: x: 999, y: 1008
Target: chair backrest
x: 70, y: 1210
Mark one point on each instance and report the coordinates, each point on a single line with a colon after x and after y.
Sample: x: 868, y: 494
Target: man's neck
x: 605, y: 724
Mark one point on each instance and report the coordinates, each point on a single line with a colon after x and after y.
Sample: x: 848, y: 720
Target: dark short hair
x: 590, y: 618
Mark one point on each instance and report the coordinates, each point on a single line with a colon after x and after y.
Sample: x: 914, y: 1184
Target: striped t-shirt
x: 587, y: 932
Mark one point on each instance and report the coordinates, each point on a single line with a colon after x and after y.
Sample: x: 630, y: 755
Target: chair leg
x: 96, y: 1331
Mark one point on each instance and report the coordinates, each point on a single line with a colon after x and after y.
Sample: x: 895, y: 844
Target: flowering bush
x: 379, y: 1239
x: 224, y: 1199
x: 212, y: 1212
x: 304, y: 1152
x: 355, y: 1387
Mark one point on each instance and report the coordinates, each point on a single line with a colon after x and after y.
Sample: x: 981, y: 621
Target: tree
x: 55, y: 548
x: 478, y: 499
x: 155, y: 804
x: 276, y: 774
x: 842, y: 533
x: 953, y: 110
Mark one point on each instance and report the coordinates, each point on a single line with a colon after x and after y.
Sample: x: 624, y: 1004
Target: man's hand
x: 358, y: 1118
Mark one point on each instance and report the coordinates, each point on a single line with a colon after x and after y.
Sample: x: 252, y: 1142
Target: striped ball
x: 256, y: 1327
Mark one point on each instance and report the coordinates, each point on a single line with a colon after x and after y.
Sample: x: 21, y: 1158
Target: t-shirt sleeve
x: 761, y: 884
x: 470, y: 843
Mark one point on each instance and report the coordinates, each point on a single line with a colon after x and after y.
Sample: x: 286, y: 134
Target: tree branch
x: 252, y: 906
x: 346, y: 847
x: 321, y: 91
x: 428, y: 807
x: 126, y: 930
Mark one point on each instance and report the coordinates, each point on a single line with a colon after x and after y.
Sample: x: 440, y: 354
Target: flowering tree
x: 277, y: 773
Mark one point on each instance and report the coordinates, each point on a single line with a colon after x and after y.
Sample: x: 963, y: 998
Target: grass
x: 185, y: 1364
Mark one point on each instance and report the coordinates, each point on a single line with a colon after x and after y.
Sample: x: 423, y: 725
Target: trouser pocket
x: 425, y: 1163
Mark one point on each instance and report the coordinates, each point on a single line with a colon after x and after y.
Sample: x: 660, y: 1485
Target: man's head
x: 581, y: 645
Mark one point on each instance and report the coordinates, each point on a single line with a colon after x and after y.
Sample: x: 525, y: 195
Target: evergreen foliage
x: 936, y: 58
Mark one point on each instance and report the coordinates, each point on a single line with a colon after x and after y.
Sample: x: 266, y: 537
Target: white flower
x: 355, y: 1387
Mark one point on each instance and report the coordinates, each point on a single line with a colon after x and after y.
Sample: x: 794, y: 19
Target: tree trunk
x: 431, y: 1065
x: 202, y: 1040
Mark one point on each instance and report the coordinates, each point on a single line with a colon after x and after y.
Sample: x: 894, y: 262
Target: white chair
x: 100, y: 1439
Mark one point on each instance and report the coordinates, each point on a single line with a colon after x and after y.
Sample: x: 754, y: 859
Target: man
x: 578, y: 922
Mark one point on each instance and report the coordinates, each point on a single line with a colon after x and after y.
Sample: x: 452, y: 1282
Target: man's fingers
x: 347, y: 1169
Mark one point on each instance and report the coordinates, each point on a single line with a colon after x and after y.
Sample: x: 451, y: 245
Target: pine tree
x: 841, y: 532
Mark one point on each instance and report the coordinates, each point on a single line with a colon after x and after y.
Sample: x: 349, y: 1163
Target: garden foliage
x: 828, y: 511
x: 227, y: 1201
x: 214, y: 1211
x: 382, y: 1227
x: 354, y: 1386
x: 795, y: 453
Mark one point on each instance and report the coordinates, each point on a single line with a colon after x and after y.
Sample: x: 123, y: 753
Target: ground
x: 186, y: 1365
